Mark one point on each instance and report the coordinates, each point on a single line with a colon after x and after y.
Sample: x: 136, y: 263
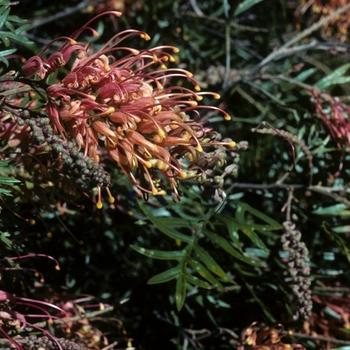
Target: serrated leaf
x: 165, y: 276
x: 203, y: 272
x: 245, y: 5
x: 223, y: 243
x: 211, y: 264
x: 180, y: 292
x: 336, y: 77
x: 160, y: 254
x: 163, y: 227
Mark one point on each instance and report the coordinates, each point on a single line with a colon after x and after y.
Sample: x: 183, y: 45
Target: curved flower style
x: 127, y: 107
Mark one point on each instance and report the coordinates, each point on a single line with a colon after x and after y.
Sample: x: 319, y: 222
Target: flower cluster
x: 118, y: 102
x: 335, y: 114
x: 298, y: 267
x: 338, y: 28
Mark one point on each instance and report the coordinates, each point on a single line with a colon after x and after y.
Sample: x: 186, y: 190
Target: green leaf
x: 159, y: 254
x: 223, y: 243
x: 180, y: 292
x: 6, y: 180
x: 305, y: 74
x: 161, y: 225
x: 211, y: 264
x: 336, y: 77
x: 273, y: 225
x: 5, y: 192
x: 3, y: 17
x: 333, y: 210
x: 203, y: 272
x: 341, y: 229
x: 197, y: 281
x: 245, y: 5
x: 165, y: 276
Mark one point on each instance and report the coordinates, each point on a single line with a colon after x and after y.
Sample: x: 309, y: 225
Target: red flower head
x: 128, y: 108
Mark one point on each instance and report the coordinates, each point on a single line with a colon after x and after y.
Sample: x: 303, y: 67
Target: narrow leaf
x: 3, y: 17
x: 202, y: 271
x: 165, y: 276
x: 180, y: 293
x: 211, y: 264
x: 245, y: 5
x: 333, y: 210
x: 197, y: 281
x: 333, y: 78
x: 161, y: 226
x: 5, y: 180
x: 159, y: 254
x: 223, y: 243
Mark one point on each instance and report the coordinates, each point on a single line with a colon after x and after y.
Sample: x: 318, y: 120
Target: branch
x: 282, y: 50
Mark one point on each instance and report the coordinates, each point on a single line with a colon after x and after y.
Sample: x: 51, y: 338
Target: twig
x: 65, y: 13
x: 312, y: 337
x: 282, y: 50
x: 71, y: 319
x: 222, y: 21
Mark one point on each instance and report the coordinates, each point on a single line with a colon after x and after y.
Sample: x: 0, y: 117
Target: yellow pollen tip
x: 99, y: 205
x: 217, y: 96
x: 49, y: 235
x: 110, y: 110
x: 199, y: 98
x: 162, y: 133
x: 154, y: 191
x: 148, y: 165
x: 172, y: 59
x: 32, y: 221
x: 49, y: 321
x: 135, y: 52
x: 227, y: 117
x: 161, y: 193
x: 73, y: 42
x: 165, y: 58
x: 176, y: 50
x: 188, y: 74
x: 57, y: 268
x: 111, y: 199
x: 163, y: 66
x: 197, y: 88
x: 199, y: 149
x: 183, y: 175
x: 232, y: 144
x: 145, y: 36
x: 193, y: 103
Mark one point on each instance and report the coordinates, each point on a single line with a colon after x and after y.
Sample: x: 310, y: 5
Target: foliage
x: 251, y: 250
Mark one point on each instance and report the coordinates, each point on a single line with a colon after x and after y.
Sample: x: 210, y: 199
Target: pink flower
x: 128, y: 108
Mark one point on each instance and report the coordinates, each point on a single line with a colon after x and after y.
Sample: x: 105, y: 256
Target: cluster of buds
x: 45, y: 343
x: 338, y: 28
x: 217, y: 158
x: 124, y: 109
x: 11, y: 318
x: 335, y: 114
x: 298, y: 267
x: 67, y: 151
